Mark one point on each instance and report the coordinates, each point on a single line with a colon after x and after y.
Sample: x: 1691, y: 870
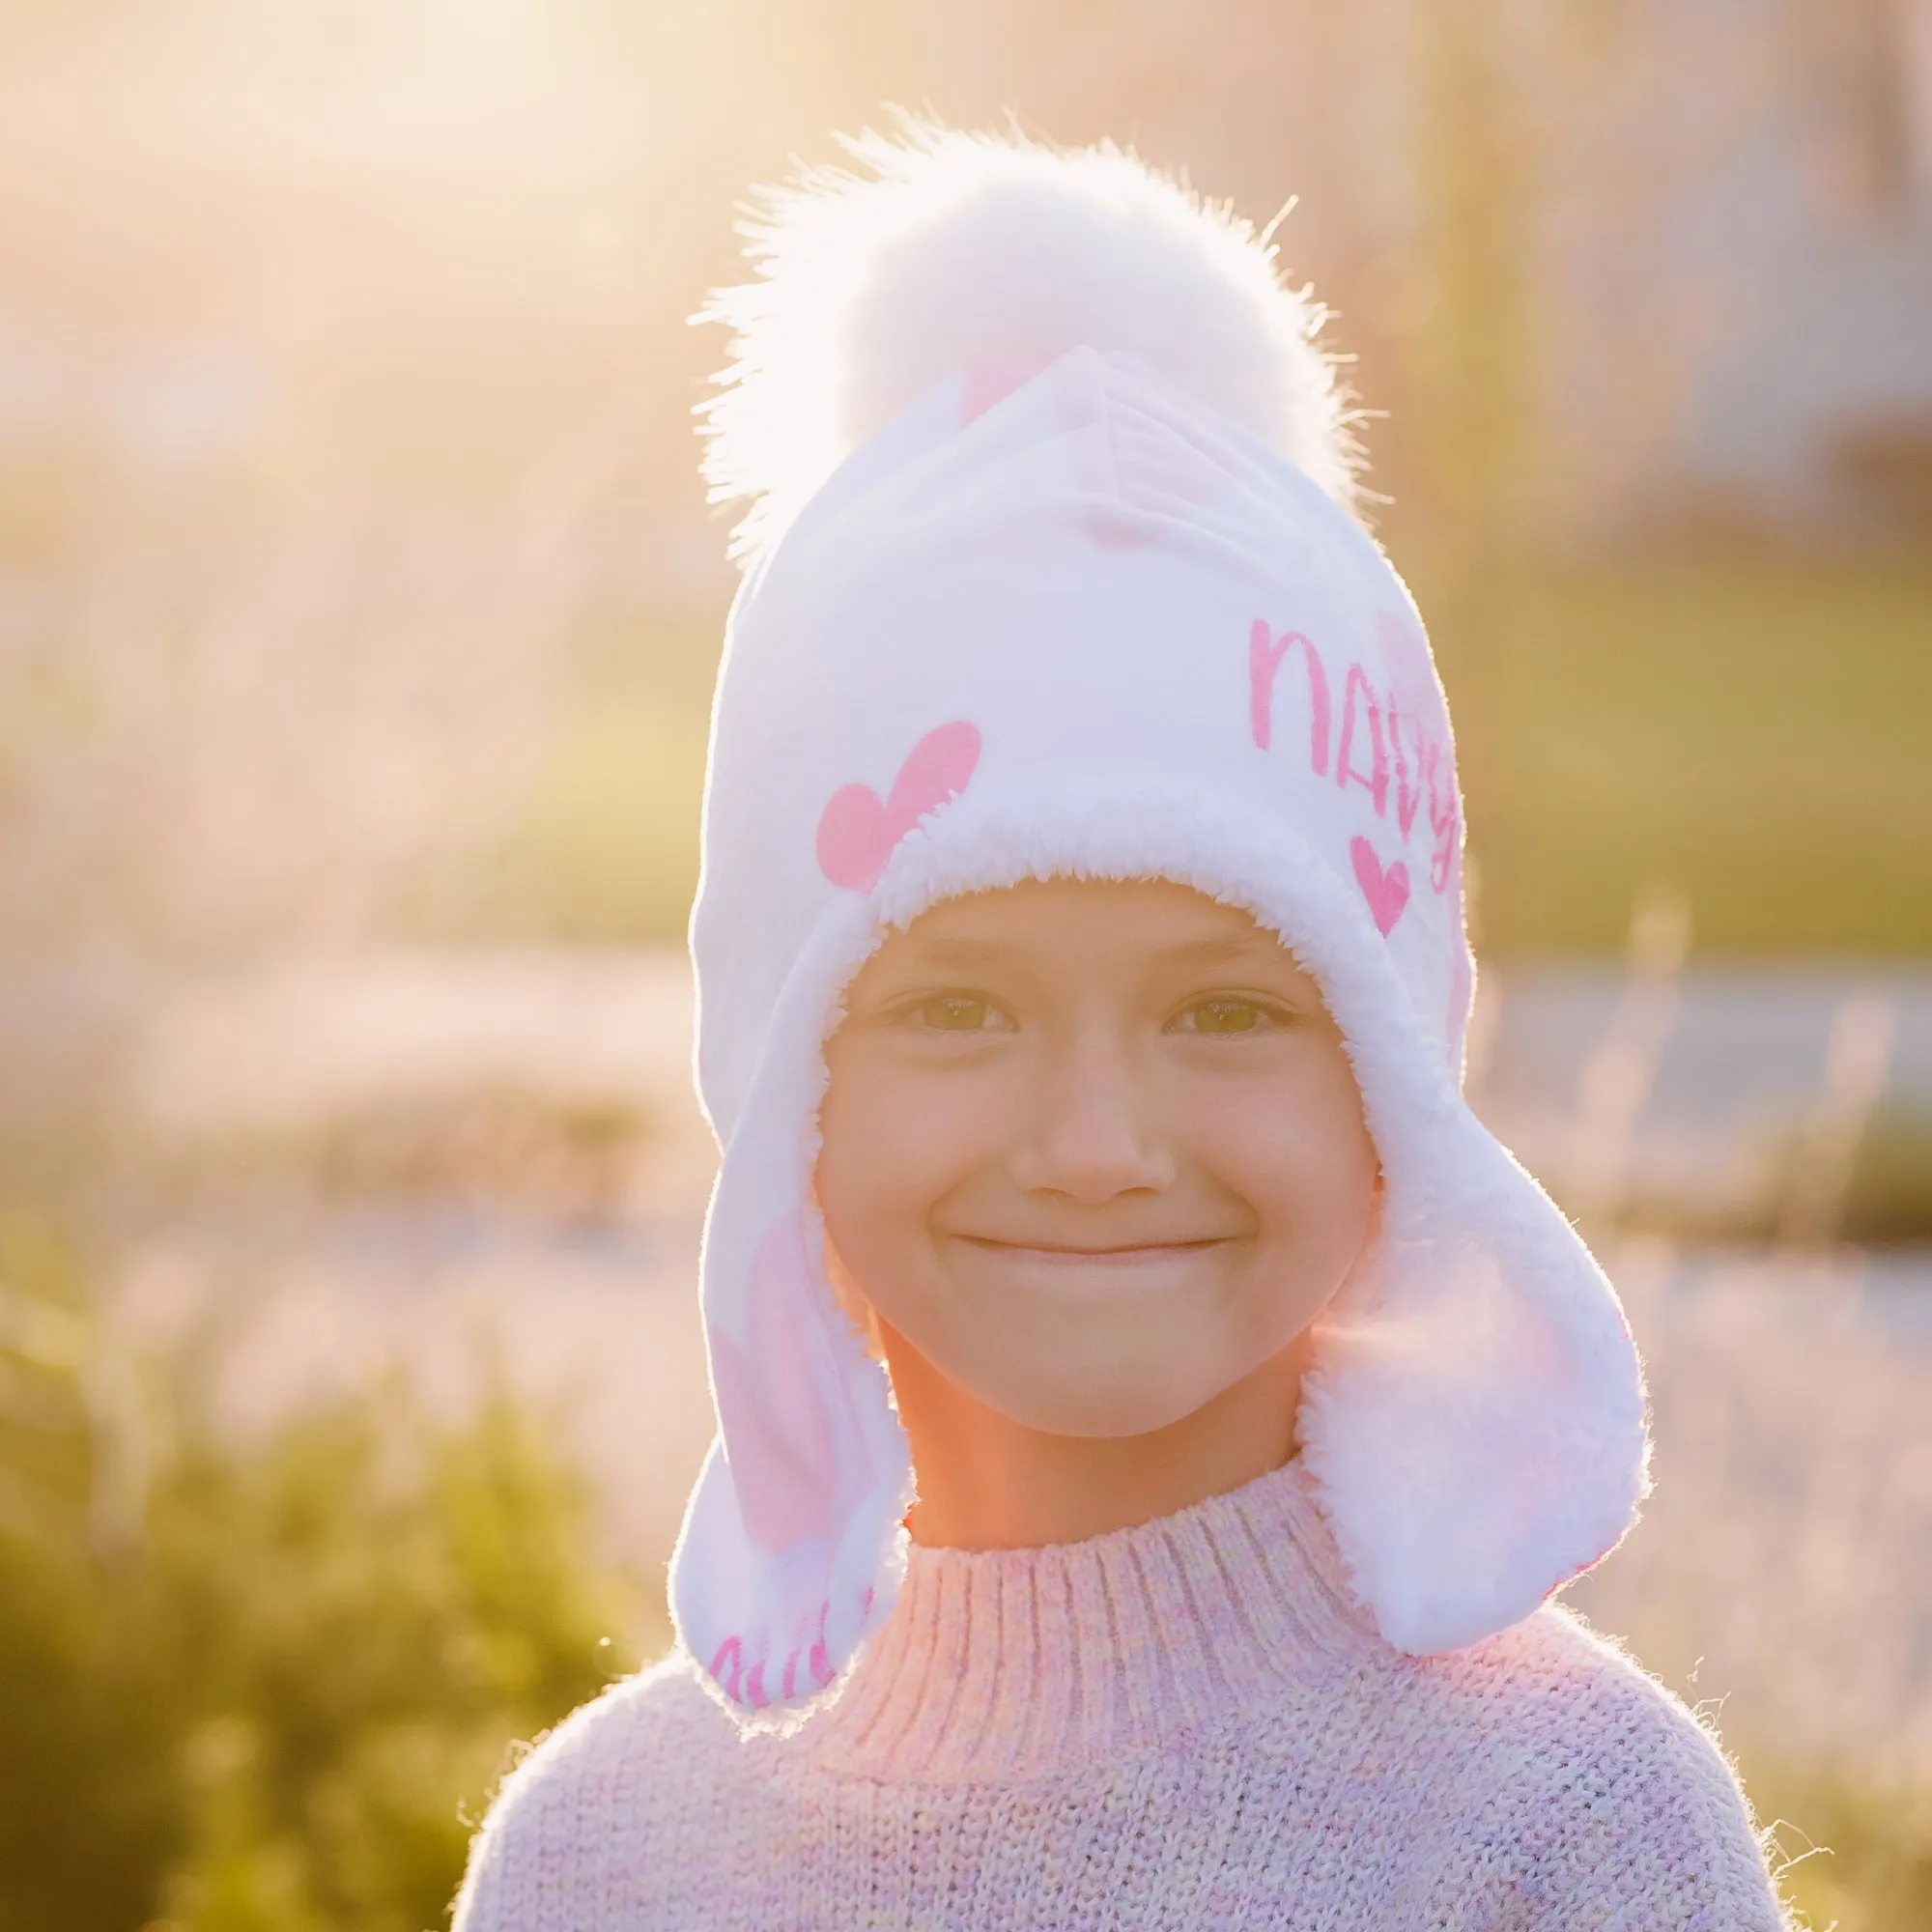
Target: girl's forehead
x: 1057, y: 919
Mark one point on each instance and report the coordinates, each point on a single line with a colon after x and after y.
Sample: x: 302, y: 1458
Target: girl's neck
x: 985, y: 1481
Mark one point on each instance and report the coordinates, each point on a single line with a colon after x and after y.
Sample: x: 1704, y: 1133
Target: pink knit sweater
x: 1182, y: 1724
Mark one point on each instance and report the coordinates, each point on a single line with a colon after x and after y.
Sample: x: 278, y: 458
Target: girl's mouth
x: 1067, y: 1255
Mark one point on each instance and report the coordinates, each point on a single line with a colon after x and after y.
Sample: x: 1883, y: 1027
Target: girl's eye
x: 1224, y: 1014
x: 957, y: 1013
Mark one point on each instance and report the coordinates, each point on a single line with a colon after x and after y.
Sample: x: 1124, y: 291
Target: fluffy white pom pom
x: 952, y: 246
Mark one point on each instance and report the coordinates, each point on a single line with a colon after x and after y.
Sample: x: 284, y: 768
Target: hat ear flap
x: 791, y: 1547
x: 1475, y: 1418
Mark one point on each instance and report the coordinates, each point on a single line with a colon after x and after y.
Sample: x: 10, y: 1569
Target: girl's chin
x: 1140, y: 1395
x: 1077, y: 1416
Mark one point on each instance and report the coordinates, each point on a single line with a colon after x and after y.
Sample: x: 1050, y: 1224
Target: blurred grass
x: 1859, y: 1850
x: 263, y: 1687
x: 606, y: 849
x: 1748, y: 731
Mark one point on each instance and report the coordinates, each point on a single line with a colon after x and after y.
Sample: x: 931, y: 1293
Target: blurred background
x: 358, y: 607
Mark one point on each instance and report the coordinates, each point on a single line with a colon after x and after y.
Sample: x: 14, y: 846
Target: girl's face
x: 1094, y: 1150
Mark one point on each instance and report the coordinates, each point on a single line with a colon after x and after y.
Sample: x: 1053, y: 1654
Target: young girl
x: 1154, y: 1412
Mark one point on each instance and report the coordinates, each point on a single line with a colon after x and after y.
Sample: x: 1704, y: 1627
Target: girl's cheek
x: 1285, y: 1146
x: 894, y: 1141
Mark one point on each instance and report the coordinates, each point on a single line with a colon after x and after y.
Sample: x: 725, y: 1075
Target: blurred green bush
x: 1860, y: 1848
x: 272, y: 1685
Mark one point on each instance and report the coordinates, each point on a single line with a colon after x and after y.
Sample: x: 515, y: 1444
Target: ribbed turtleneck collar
x: 1019, y: 1663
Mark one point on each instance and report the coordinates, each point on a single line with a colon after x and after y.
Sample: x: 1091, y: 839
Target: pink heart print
x: 858, y: 831
x: 1386, y: 889
x: 776, y: 1435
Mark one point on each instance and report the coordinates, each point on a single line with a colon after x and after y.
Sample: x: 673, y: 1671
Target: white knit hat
x: 1052, y: 573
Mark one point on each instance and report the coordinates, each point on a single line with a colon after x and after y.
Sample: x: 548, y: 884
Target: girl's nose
x: 1092, y: 1130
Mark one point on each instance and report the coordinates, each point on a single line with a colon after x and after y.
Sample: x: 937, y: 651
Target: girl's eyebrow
x: 1222, y: 946
x: 1232, y: 947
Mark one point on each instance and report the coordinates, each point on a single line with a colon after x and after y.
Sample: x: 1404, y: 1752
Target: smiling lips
x: 1061, y: 1256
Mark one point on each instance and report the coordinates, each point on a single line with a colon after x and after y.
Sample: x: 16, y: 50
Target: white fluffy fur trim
x: 956, y: 247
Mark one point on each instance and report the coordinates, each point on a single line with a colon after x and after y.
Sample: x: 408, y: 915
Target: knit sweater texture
x: 1186, y: 1723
